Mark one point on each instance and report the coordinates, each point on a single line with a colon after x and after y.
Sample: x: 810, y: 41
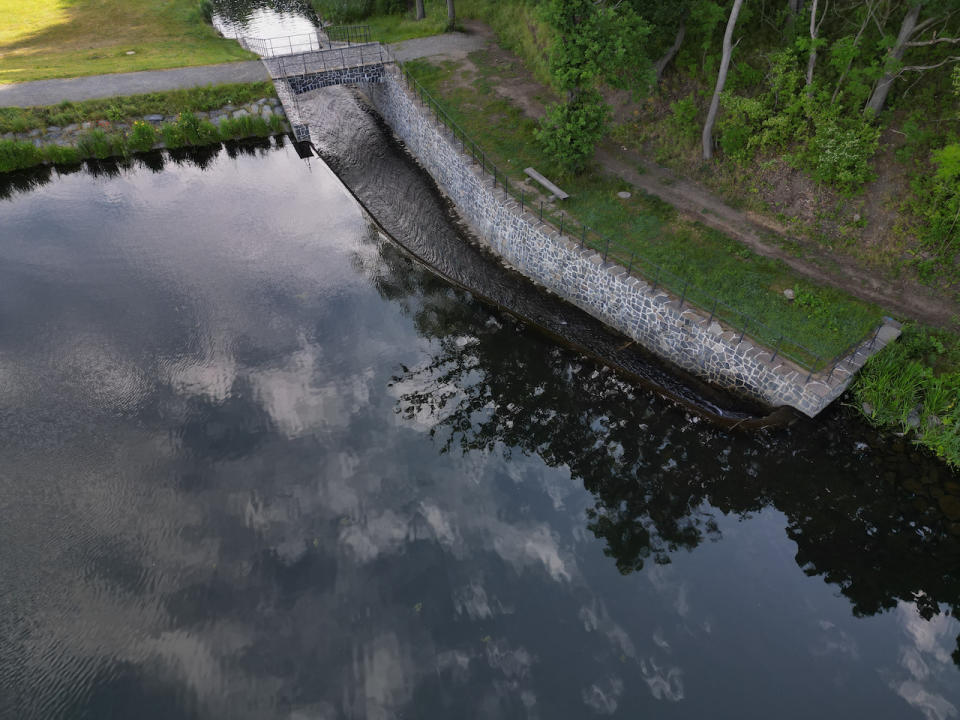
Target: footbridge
x: 328, y: 57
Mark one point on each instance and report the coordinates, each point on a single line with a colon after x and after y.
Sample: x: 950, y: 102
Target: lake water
x: 256, y: 19
x: 256, y: 461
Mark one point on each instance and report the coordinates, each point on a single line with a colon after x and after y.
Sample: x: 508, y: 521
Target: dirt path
x: 697, y: 203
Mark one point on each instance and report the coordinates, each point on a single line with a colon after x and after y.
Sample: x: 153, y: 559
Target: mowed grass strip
x: 820, y: 323
x: 41, y: 39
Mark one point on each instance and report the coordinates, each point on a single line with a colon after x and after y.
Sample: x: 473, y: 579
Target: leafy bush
x: 683, y: 119
x: 735, y: 141
x: 101, y: 145
x: 61, y: 155
x: 935, y: 201
x: 196, y: 131
x: 173, y: 136
x: 570, y: 131
x: 246, y: 126
x: 142, y: 136
x: 840, y: 151
x: 205, y: 7
x: 343, y: 11
x: 914, y: 386
x: 17, y: 155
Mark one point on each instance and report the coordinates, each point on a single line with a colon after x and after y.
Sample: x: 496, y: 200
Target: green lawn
x: 820, y: 323
x: 42, y: 39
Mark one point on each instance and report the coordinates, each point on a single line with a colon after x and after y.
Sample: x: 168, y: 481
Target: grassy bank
x: 43, y: 39
x: 823, y: 320
x: 102, y: 143
x: 914, y: 387
x: 115, y: 127
x: 129, y: 107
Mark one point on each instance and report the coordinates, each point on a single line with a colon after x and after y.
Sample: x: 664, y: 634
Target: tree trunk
x: 879, y: 97
x: 795, y: 6
x: 721, y: 80
x: 812, y: 60
x: 662, y: 63
x: 451, y: 16
x: 420, y: 12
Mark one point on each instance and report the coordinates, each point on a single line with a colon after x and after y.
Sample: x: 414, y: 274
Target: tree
x: 451, y: 16
x: 421, y: 13
x: 912, y: 28
x: 721, y: 80
x: 814, y: 32
x: 592, y: 43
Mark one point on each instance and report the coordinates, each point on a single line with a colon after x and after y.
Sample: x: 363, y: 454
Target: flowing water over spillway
x: 258, y: 462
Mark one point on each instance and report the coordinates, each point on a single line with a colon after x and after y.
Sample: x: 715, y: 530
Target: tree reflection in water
x: 861, y: 510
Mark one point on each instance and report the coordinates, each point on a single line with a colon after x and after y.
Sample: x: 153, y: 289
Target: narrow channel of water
x: 258, y: 462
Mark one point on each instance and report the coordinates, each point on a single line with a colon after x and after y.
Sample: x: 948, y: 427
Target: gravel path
x: 51, y: 92
x: 456, y: 44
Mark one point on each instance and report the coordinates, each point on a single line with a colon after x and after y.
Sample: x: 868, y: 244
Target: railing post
x: 712, y: 312
x: 875, y: 335
x: 630, y: 266
x: 583, y: 237
x: 656, y: 280
x: 541, y: 212
x: 606, y: 249
x: 744, y: 331
x: 776, y: 350
x: 561, y: 223
x: 683, y: 295
x: 521, y: 200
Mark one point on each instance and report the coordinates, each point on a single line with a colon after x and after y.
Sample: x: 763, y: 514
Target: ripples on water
x: 256, y: 462
x: 284, y: 18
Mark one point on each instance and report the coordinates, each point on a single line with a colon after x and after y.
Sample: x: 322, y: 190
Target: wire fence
x: 281, y: 46
x: 350, y: 34
x: 338, y: 58
x: 636, y: 263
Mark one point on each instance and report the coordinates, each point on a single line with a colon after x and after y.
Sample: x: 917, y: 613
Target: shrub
x: 173, y: 136
x: 684, y: 118
x: 839, y: 153
x: 142, y: 136
x: 206, y: 10
x: 570, y: 131
x: 246, y: 126
x: 344, y: 11
x: 61, y: 154
x: 17, y: 155
x: 101, y: 145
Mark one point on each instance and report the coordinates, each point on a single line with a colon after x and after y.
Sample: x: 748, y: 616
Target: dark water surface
x: 259, y: 19
x: 256, y: 462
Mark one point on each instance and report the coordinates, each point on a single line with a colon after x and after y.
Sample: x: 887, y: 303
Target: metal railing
x: 350, y: 34
x: 633, y: 261
x: 342, y: 58
x: 281, y: 46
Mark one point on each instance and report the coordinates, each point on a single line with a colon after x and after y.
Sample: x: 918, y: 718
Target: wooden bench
x: 558, y: 193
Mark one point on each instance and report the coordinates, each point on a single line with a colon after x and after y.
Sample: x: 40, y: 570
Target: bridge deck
x: 326, y: 60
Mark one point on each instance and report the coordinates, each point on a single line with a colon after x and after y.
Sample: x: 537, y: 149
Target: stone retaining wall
x: 300, y: 84
x: 681, y: 335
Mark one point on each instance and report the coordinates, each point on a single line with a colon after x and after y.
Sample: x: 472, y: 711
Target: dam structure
x: 622, y: 295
